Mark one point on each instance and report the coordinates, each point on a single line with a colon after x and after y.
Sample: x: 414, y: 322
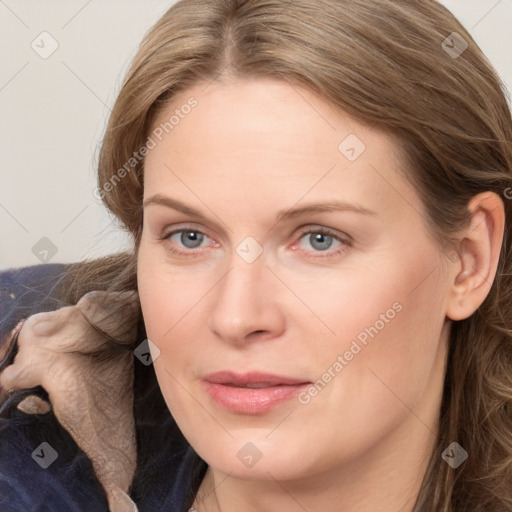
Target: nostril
x: 257, y: 335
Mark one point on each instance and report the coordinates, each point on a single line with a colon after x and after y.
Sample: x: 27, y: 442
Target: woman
x: 322, y: 248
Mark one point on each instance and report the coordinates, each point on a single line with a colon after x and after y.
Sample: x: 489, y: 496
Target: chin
x: 251, y: 457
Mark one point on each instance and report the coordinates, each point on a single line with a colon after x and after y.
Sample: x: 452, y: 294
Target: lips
x: 251, y: 393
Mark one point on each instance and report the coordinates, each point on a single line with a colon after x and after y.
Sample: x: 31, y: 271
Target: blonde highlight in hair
x: 381, y: 61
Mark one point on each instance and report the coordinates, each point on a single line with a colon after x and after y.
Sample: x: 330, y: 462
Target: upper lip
x: 251, y: 378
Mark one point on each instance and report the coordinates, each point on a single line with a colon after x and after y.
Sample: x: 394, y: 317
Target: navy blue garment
x: 168, y: 473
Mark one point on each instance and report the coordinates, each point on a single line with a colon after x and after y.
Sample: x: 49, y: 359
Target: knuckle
x: 92, y: 303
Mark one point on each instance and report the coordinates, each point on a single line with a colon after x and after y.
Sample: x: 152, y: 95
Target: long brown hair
x: 387, y: 63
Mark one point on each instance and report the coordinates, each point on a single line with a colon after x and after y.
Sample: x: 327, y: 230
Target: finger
x: 62, y: 330
x: 7, y: 347
x: 118, y: 500
x: 6, y: 386
x: 48, y: 324
x: 108, y: 302
x: 34, y: 405
x: 15, y: 332
x: 114, y: 313
x: 20, y: 374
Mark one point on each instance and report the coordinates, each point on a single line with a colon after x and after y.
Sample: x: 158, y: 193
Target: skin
x: 89, y: 380
x: 250, y: 149
x: 360, y: 444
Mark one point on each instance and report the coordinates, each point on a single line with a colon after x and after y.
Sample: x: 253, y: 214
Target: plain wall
x: 54, y: 110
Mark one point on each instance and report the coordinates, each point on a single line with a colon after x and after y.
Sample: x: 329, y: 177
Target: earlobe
x: 479, y: 250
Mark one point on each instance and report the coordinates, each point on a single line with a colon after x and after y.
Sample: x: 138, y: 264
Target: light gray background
x: 54, y: 110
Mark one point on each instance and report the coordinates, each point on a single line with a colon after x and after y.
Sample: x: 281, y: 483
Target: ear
x: 478, y: 251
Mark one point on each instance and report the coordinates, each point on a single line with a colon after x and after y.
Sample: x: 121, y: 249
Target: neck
x: 387, y: 477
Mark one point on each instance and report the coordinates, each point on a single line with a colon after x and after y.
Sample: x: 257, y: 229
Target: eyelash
x: 345, y: 242
x: 317, y: 231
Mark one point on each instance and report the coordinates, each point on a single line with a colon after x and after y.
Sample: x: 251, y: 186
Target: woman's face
x: 289, y: 281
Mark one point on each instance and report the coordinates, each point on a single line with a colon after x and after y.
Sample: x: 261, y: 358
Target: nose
x: 247, y: 305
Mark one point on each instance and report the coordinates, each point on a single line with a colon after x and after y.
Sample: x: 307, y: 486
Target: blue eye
x: 320, y: 241
x: 187, y: 242
x: 187, y: 238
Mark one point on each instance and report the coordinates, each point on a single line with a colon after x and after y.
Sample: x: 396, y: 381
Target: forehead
x: 251, y: 113
x: 249, y: 139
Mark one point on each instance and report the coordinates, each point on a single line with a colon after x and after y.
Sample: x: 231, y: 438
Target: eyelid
x: 310, y: 229
x: 343, y: 238
x: 178, y: 229
x: 167, y: 235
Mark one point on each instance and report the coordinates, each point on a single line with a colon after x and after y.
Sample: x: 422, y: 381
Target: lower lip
x: 252, y: 400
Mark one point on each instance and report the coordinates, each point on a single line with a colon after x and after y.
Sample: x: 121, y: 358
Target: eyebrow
x: 287, y: 214
x: 331, y: 206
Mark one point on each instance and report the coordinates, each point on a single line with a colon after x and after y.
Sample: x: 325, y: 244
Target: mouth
x: 251, y: 393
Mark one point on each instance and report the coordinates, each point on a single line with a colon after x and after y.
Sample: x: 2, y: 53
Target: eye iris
x: 191, y: 239
x: 320, y: 241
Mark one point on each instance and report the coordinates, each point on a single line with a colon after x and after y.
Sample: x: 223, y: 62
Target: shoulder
x: 41, y: 469
x: 168, y: 470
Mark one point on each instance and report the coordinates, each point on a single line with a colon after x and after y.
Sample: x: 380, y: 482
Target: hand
x: 80, y: 356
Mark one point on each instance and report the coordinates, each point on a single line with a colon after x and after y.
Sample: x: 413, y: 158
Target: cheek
x: 173, y: 302
x: 167, y: 292
x: 386, y: 355
x: 165, y: 300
